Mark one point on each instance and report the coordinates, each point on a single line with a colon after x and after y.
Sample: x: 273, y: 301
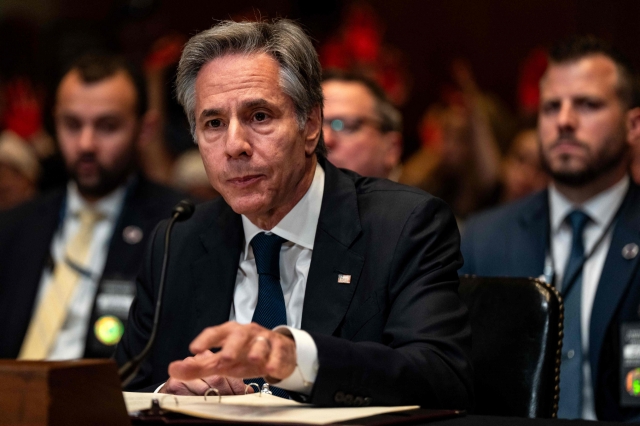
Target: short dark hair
x: 95, y: 67
x: 390, y: 117
x: 580, y: 46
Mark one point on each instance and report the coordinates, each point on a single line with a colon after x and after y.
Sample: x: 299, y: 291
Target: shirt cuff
x: 159, y: 387
x: 304, y: 376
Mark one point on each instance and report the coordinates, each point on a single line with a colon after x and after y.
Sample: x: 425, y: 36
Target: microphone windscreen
x: 183, y: 210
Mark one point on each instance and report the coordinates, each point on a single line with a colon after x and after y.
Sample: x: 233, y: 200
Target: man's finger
x: 211, y: 337
x: 191, y: 368
x: 282, y: 357
x: 259, y: 351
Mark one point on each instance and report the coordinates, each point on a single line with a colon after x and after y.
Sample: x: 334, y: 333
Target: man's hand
x: 246, y: 351
x: 199, y: 386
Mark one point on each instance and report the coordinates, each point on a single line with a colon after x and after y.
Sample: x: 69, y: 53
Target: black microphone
x: 182, y: 211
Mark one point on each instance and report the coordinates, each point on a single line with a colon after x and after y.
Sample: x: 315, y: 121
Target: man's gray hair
x: 286, y: 42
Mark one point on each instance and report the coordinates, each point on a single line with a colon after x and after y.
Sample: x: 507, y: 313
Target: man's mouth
x: 247, y: 180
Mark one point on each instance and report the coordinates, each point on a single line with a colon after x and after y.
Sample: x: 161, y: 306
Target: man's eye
x: 260, y: 116
x: 214, y: 123
x: 107, y: 127
x: 550, y: 107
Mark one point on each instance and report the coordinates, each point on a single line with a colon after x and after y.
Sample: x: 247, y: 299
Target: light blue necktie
x: 270, y: 311
x: 571, y: 379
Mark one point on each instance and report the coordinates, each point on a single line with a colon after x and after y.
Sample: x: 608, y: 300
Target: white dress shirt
x: 70, y: 342
x: 601, y: 209
x: 298, y: 227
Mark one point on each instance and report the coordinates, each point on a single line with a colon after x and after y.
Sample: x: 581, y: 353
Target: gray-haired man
x: 358, y: 273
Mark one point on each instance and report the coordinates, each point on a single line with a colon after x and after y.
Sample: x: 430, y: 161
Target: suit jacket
x: 512, y: 241
x: 25, y: 241
x: 398, y: 333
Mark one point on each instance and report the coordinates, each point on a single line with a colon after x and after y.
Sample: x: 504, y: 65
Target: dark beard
x: 108, y: 180
x: 593, y: 171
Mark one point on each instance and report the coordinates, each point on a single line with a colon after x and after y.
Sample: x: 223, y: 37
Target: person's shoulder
x: 26, y: 210
x: 507, y: 213
x: 44, y: 206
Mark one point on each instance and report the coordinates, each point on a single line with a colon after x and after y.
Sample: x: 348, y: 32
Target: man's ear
x: 633, y: 126
x: 149, y: 127
x: 394, y: 149
x: 312, y: 130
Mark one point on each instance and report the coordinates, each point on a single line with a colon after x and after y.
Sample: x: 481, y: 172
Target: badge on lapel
x: 630, y: 251
x: 132, y: 234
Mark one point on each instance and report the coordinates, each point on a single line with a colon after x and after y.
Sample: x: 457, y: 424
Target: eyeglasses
x: 349, y: 126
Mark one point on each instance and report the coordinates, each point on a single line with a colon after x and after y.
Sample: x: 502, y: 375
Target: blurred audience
x: 190, y: 176
x: 69, y: 258
x: 459, y: 160
x: 362, y: 129
x: 19, y: 170
x: 522, y: 171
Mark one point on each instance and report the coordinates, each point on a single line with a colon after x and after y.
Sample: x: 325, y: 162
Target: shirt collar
x: 299, y: 225
x: 110, y: 205
x: 600, y: 208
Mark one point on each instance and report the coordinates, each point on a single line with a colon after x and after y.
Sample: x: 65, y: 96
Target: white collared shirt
x: 298, y: 227
x: 70, y: 342
x: 601, y: 209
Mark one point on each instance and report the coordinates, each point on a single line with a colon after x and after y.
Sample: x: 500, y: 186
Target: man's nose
x: 87, y: 139
x: 237, y: 143
x: 567, y: 118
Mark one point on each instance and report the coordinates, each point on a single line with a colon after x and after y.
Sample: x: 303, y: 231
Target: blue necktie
x: 270, y: 311
x: 571, y: 378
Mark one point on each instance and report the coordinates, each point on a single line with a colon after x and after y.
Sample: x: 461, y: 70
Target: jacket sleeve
x: 424, y: 357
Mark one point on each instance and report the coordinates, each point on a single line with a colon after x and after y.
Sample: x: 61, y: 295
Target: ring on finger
x: 262, y: 339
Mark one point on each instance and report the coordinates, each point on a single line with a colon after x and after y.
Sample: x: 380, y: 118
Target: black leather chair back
x: 516, y: 326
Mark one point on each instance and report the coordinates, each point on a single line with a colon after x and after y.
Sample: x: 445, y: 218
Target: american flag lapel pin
x: 344, y: 279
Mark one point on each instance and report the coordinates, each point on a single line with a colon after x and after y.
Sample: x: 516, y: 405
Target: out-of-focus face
x: 255, y: 154
x: 97, y: 128
x: 352, y: 133
x: 582, y: 121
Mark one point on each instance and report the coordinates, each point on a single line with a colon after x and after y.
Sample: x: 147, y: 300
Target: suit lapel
x: 326, y: 300
x: 214, y: 272
x: 531, y: 239
x: 616, y: 275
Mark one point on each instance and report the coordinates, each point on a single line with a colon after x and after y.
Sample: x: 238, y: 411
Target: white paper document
x: 253, y: 408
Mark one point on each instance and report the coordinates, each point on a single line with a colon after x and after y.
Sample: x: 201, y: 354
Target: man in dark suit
x: 360, y: 274
x: 583, y: 232
x: 100, y: 117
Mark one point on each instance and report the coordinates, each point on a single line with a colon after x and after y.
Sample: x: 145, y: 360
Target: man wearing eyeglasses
x: 362, y: 129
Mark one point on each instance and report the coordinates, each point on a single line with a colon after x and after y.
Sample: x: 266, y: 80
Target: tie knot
x: 89, y: 217
x: 577, y: 219
x: 266, y: 249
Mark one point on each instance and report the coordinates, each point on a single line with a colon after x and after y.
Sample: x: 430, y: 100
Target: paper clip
x: 213, y: 390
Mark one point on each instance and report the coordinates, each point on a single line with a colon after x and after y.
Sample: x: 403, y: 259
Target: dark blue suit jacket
x: 512, y: 241
x: 398, y: 333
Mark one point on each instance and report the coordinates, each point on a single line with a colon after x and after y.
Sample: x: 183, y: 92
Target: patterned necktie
x: 52, y: 310
x: 270, y: 311
x: 571, y: 378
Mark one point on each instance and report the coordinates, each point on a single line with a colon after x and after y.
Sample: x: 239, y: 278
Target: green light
x: 108, y: 330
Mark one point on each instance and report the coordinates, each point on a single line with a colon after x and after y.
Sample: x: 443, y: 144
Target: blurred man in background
x: 68, y: 259
x: 362, y: 129
x: 583, y: 232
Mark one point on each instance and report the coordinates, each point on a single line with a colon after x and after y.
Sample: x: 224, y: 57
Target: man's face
x: 581, y: 125
x: 254, y: 152
x: 352, y: 133
x: 97, y: 127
